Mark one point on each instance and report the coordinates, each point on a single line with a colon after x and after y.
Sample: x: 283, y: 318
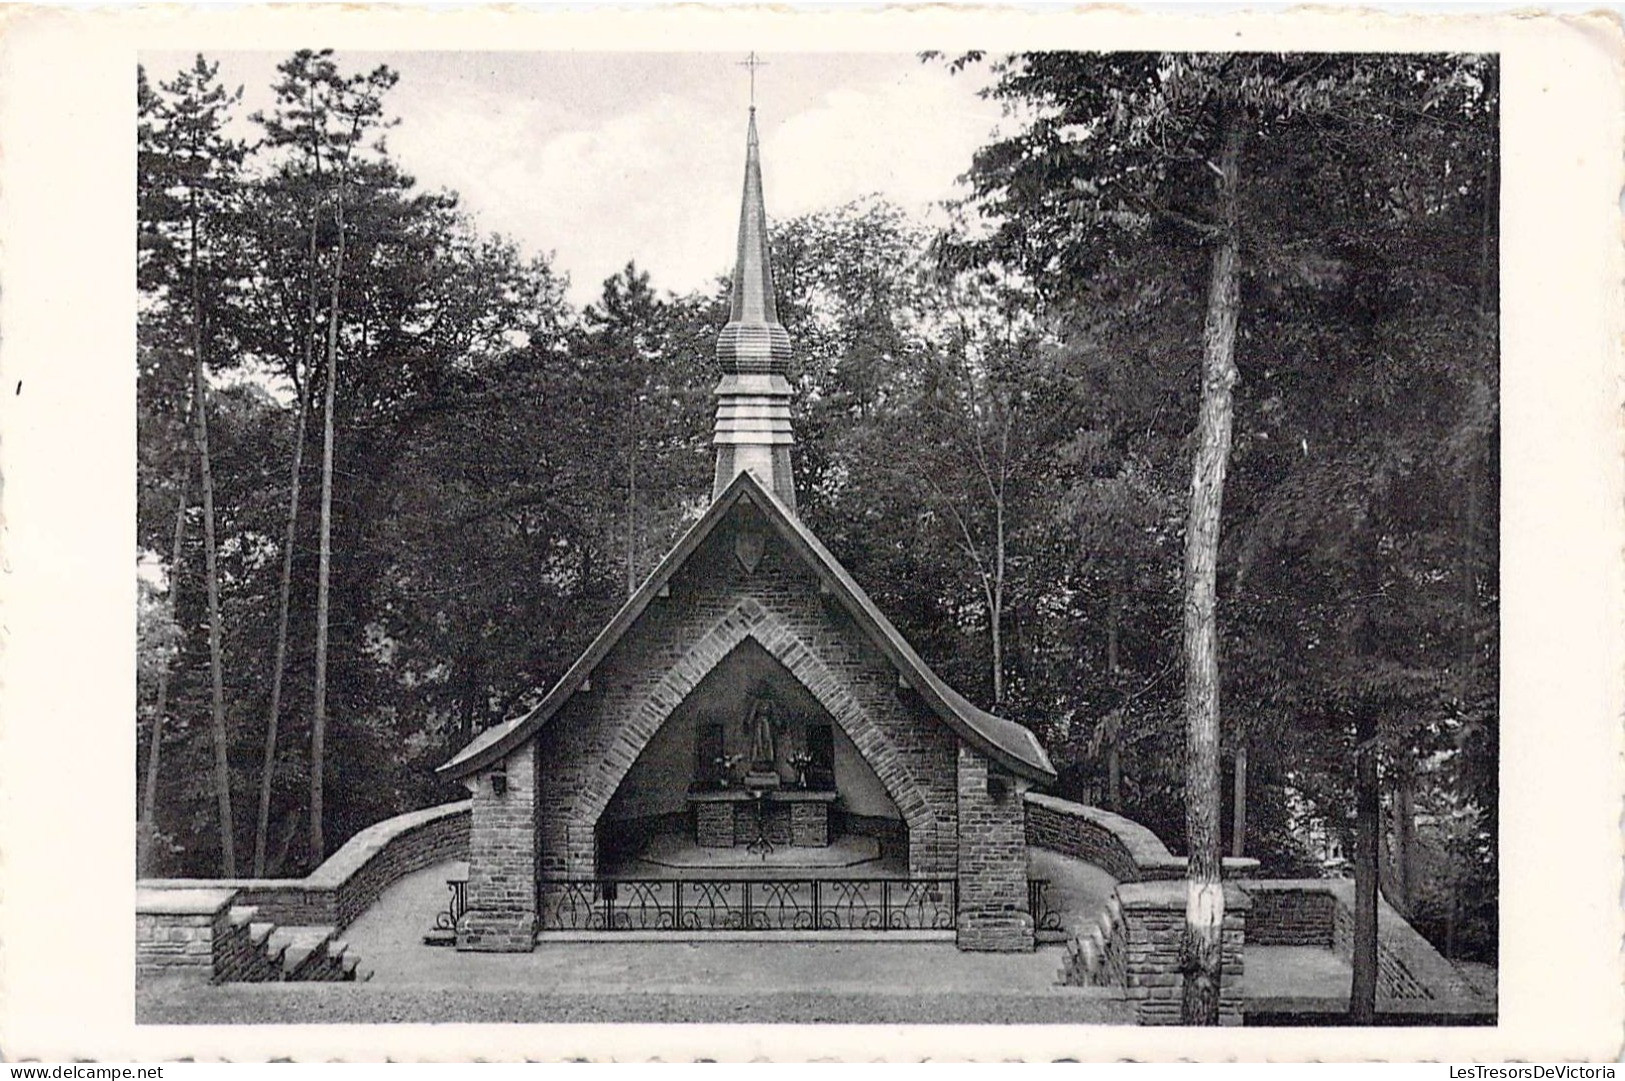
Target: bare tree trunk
x: 1238, y: 824
x: 996, y: 613
x: 1367, y: 825
x: 280, y: 662
x: 290, y: 828
x: 1114, y: 761
x: 318, y: 727
x: 472, y: 664
x: 1114, y: 722
x: 631, y: 504
x: 1204, y: 907
x: 217, y: 692
x: 149, y: 793
x: 1404, y: 849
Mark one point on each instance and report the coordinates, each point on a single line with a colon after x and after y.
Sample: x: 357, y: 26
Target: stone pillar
x: 992, y: 858
x: 501, y: 914
x: 1154, y: 915
x: 181, y: 932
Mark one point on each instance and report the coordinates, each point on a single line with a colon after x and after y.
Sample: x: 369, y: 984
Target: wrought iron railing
x: 747, y: 904
x: 1046, y: 916
x: 446, y: 919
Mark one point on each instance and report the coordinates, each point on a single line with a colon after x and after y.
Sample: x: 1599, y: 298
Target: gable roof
x: 1010, y: 744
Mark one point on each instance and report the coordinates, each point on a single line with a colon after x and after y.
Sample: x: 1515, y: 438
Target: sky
x: 602, y: 158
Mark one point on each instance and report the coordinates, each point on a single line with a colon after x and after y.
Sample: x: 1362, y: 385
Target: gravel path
x: 271, y: 1004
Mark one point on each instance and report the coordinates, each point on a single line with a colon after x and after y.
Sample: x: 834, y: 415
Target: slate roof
x: 1006, y: 742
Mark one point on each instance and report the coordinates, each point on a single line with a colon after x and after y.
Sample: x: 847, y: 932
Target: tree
x: 328, y: 119
x: 190, y: 169
x: 300, y: 177
x: 1128, y: 152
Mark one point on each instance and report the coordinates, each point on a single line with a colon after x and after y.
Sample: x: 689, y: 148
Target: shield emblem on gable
x: 748, y: 547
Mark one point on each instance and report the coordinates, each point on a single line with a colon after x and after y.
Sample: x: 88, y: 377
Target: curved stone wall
x: 1121, y: 847
x: 352, y: 878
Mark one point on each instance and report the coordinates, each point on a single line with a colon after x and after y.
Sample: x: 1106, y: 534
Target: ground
x: 706, y: 981
x: 880, y: 982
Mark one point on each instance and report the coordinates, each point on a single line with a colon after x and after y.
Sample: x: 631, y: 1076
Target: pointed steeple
x: 752, y: 302
x: 753, y: 400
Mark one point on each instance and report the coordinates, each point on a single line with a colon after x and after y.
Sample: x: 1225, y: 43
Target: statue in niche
x: 759, y: 727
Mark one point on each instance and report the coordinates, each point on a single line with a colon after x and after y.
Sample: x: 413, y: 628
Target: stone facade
x: 767, y: 614
x: 502, y: 842
x: 714, y: 604
x: 993, y: 911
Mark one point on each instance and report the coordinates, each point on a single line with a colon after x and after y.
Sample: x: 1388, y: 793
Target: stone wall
x: 502, y: 853
x: 714, y: 604
x: 891, y: 833
x: 383, y: 854
x: 626, y: 836
x: 1320, y: 911
x: 1295, y: 917
x: 350, y: 879
x: 1121, y: 847
x: 992, y: 859
x: 1154, y: 928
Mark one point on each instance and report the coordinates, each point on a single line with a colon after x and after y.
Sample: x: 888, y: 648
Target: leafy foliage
x: 993, y: 426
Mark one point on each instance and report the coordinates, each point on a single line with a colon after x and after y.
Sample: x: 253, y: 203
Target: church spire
x: 753, y: 399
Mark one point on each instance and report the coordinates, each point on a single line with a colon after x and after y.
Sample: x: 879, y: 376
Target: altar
x: 777, y: 818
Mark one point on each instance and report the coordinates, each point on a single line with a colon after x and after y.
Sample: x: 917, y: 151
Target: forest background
x: 391, y: 480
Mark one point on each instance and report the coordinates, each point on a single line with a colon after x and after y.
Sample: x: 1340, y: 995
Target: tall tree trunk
x: 1114, y: 721
x: 1405, y: 829
x: 149, y: 793
x: 217, y: 692
x: 1204, y: 906
x: 631, y: 504
x: 996, y: 618
x: 1488, y: 303
x: 469, y: 698
x: 996, y: 609
x: 318, y: 725
x: 280, y: 661
x: 1367, y: 826
x: 1238, y: 823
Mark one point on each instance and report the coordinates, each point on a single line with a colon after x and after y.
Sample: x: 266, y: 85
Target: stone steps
x: 1089, y: 957
x: 264, y: 952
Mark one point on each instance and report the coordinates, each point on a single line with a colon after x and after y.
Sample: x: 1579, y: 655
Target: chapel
x: 749, y: 744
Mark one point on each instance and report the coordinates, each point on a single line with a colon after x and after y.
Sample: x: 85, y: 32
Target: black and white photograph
x: 902, y: 534
x: 1084, y: 579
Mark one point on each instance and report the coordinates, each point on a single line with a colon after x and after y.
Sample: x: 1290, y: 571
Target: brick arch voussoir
x: 749, y: 619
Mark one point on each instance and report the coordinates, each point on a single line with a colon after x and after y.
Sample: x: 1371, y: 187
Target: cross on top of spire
x: 753, y: 62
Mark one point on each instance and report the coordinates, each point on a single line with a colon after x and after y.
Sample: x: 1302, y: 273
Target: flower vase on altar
x: 799, y: 762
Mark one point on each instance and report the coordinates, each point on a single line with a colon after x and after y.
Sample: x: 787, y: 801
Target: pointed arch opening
x: 671, y: 740
x: 698, y: 756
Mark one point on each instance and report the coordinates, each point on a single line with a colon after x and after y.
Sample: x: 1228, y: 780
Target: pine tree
x: 189, y: 185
